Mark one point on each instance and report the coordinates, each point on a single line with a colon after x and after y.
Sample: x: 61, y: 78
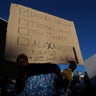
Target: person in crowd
x: 22, y: 63
x: 88, y: 87
x: 67, y: 75
x: 38, y: 79
x: 87, y: 81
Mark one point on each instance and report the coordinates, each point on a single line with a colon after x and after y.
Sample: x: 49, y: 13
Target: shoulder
x: 66, y: 70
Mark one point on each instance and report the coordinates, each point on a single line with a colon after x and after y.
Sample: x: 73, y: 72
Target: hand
x: 72, y: 62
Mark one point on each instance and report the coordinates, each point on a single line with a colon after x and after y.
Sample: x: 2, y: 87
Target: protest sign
x: 41, y: 36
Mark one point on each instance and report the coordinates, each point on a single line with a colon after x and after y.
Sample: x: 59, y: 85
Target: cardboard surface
x: 41, y: 36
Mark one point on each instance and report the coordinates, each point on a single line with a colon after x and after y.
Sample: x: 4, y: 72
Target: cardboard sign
x: 41, y: 36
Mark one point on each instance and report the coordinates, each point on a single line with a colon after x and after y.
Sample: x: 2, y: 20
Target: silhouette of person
x: 87, y: 81
x: 22, y: 63
x: 38, y: 79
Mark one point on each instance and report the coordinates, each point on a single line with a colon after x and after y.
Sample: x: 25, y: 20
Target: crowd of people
x: 41, y: 80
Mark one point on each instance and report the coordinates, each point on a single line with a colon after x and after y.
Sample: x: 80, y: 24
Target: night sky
x: 81, y: 12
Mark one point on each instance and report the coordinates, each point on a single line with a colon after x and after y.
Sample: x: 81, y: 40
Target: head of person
x: 72, y: 65
x: 22, y: 60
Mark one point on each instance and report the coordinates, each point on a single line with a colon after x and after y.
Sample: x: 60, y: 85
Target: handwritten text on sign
x: 42, y: 37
